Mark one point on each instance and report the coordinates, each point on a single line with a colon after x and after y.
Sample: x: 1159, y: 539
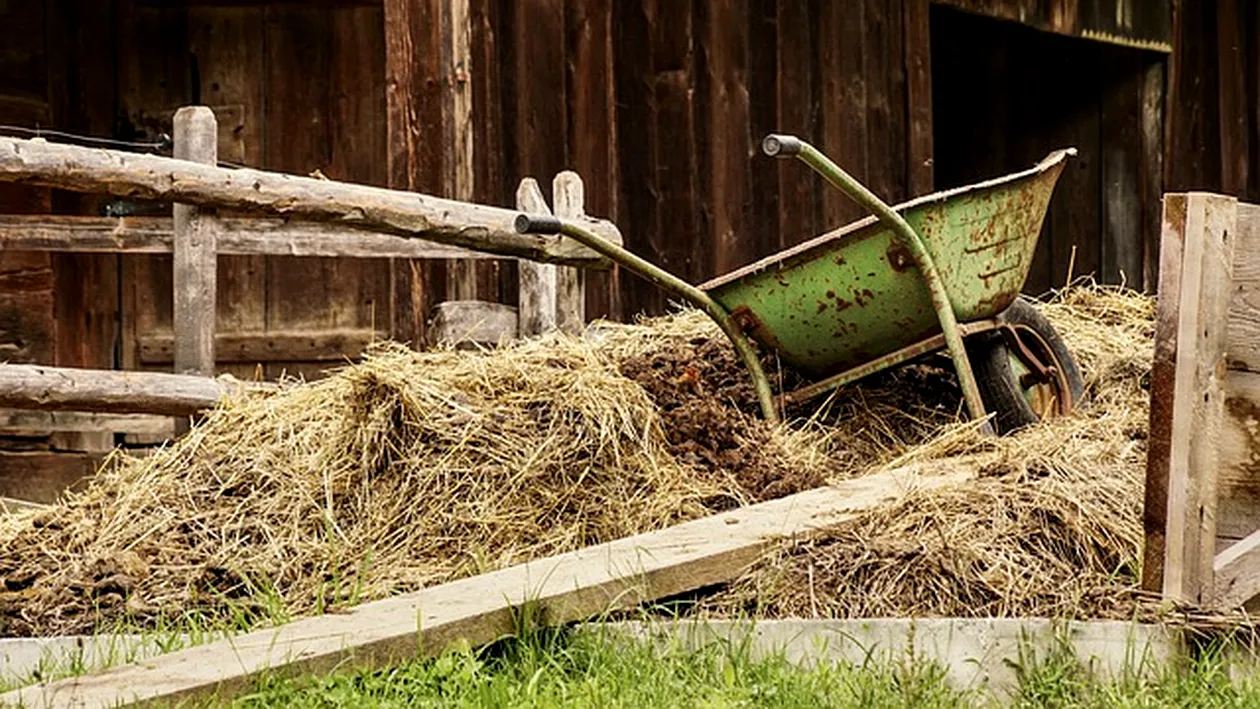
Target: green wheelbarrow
x: 940, y: 272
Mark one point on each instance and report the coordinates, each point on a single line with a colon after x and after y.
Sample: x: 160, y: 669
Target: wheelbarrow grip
x: 781, y: 146
x: 537, y: 224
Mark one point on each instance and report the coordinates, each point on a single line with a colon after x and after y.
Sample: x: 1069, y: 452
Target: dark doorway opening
x: 1005, y: 95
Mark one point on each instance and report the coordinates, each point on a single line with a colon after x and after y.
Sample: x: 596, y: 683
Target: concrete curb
x: 975, y: 654
x: 26, y: 660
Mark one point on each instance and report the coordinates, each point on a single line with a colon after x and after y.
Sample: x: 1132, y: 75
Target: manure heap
x: 410, y: 469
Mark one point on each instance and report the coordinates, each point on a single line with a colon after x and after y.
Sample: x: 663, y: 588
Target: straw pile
x: 405, y: 470
x: 1052, y: 527
x: 410, y: 469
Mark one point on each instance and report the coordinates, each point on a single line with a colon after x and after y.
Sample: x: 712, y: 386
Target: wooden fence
x: 297, y: 216
x: 1203, y: 478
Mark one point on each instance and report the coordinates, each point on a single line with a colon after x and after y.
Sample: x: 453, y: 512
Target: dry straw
x: 1051, y: 527
x: 415, y: 468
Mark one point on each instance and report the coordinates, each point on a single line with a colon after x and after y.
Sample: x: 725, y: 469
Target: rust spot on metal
x: 840, y: 261
x: 822, y: 308
x: 842, y: 304
x: 831, y: 294
x: 899, y: 258
x: 863, y: 296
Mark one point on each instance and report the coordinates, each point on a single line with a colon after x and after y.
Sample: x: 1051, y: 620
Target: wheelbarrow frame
x: 734, y: 323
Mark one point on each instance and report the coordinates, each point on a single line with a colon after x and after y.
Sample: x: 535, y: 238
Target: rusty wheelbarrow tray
x: 906, y: 281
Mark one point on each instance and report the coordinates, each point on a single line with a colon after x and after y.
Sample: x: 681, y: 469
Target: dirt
x: 712, y: 418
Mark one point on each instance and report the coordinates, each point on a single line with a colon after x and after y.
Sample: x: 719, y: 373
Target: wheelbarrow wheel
x: 1016, y: 391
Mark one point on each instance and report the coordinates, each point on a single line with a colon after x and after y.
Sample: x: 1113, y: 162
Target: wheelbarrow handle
x: 776, y: 145
x: 538, y: 224
x: 548, y: 224
x: 783, y: 146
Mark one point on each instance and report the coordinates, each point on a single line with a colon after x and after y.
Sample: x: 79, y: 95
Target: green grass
x: 588, y: 670
x: 550, y: 669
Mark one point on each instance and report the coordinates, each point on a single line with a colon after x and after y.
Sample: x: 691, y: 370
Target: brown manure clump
x: 1051, y: 526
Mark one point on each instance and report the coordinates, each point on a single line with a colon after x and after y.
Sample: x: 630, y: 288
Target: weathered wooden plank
x: 42, y: 477
x: 592, y: 122
x: 413, y: 112
x: 726, y: 140
x: 636, y: 126
x: 9, y: 505
x: 389, y: 211
x: 1237, y: 573
x: 270, y: 346
x: 1231, y: 95
x: 20, y: 422
x: 538, y: 286
x: 918, y: 68
x: 457, y: 130
x: 1188, y: 392
x: 569, y: 198
x: 490, y: 185
x: 27, y: 386
x: 798, y: 185
x: 1243, y: 348
x: 241, y: 236
x: 196, y: 233
x: 843, y: 91
x: 564, y: 588
x: 1120, y: 152
x: 1151, y: 169
x: 473, y: 323
x: 1238, y: 483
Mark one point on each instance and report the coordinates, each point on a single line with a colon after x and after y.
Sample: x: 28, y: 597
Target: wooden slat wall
x: 660, y: 106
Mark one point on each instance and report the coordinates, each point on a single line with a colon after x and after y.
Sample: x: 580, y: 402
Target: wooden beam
x: 42, y: 476
x: 408, y: 214
x: 19, y: 422
x: 473, y: 323
x: 1188, y: 394
x: 537, y: 311
x: 457, y: 129
x: 1237, y: 573
x: 9, y: 505
x: 28, y: 386
x: 196, y: 229
x: 240, y: 236
x: 251, y: 347
x: 569, y: 198
x: 567, y: 587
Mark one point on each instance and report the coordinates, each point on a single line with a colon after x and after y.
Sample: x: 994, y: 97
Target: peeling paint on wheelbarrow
x: 853, y: 295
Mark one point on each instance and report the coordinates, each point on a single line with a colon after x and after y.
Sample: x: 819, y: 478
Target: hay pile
x: 405, y: 470
x: 1051, y: 528
x: 410, y: 469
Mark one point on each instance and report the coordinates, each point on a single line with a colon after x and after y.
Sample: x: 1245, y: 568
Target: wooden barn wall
x: 658, y: 104
x: 1213, y: 138
x: 1007, y: 94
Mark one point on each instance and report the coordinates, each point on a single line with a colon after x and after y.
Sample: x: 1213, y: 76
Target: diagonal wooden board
x: 565, y: 587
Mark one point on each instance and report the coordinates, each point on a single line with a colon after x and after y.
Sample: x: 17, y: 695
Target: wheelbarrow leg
x: 788, y: 146
x: 536, y: 224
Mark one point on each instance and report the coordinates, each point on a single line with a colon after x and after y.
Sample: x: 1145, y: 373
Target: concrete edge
x: 28, y: 660
x: 981, y: 654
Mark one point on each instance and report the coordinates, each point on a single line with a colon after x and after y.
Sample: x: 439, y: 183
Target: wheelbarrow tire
x: 996, y: 377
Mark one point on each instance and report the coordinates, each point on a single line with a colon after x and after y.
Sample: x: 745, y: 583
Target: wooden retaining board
x: 565, y: 587
x: 1203, y: 478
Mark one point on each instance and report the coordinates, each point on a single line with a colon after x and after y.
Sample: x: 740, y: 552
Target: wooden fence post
x: 196, y: 140
x: 569, y: 200
x: 536, y: 313
x: 1188, y: 395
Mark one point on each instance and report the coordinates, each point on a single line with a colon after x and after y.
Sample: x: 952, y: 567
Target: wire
x: 162, y: 144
